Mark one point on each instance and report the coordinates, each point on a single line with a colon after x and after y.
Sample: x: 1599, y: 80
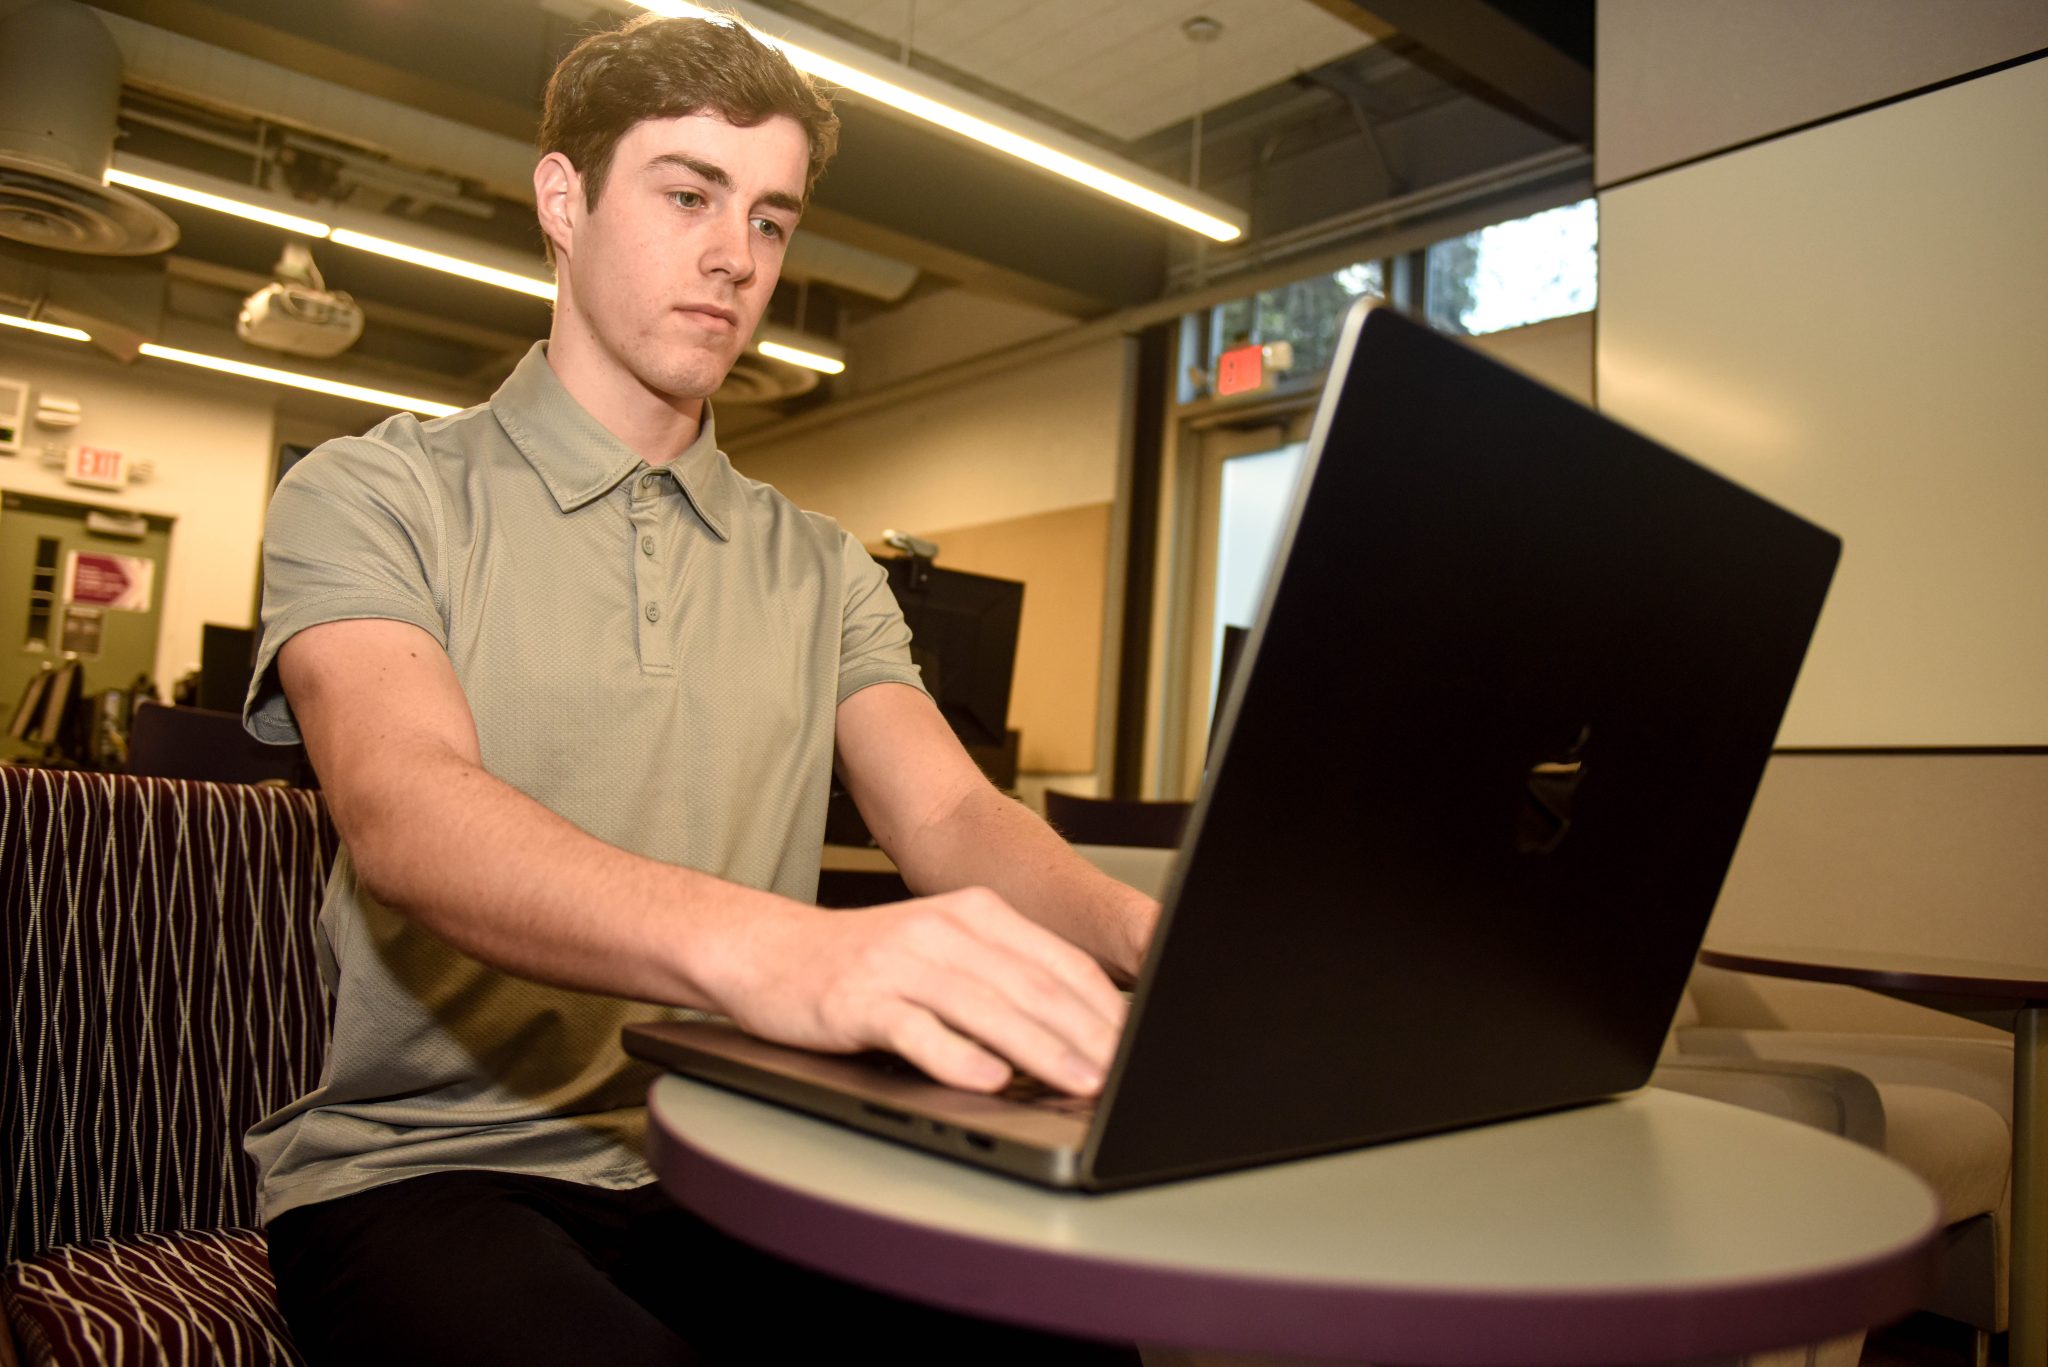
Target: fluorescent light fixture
x: 380, y: 397
x: 453, y: 265
x: 809, y: 360
x: 209, y: 192
x: 47, y: 329
x: 995, y: 128
x: 205, y: 199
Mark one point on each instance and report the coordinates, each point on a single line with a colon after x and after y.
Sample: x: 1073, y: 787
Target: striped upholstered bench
x: 157, y: 940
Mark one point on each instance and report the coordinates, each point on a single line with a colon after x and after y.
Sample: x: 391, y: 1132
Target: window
x: 1305, y: 313
x: 42, y: 593
x: 1515, y: 273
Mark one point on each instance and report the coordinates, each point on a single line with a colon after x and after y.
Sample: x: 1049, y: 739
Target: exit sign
x: 97, y: 466
x: 1241, y: 370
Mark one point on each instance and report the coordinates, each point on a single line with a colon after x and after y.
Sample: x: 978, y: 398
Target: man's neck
x: 653, y: 426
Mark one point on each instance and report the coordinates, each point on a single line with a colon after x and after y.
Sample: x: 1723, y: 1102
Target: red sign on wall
x: 120, y: 582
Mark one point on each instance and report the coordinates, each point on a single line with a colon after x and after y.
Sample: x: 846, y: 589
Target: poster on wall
x: 120, y: 583
x: 83, y: 631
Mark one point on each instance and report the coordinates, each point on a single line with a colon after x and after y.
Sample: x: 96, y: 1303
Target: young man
x: 573, y: 687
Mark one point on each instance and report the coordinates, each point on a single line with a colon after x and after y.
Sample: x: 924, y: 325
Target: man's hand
x: 946, y: 827
x: 960, y: 984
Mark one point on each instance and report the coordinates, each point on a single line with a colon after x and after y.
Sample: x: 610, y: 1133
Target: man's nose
x: 729, y: 251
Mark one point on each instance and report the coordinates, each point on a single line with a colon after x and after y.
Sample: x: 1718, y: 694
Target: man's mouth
x: 710, y: 315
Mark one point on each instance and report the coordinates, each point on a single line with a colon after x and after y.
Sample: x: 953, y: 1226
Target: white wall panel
x: 1853, y: 320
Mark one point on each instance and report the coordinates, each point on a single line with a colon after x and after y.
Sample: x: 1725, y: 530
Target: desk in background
x: 863, y: 876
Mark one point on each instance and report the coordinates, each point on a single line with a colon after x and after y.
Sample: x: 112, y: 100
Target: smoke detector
x: 60, y: 87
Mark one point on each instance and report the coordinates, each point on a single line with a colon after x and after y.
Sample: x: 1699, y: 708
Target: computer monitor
x: 46, y: 704
x: 28, y: 712
x: 963, y: 639
x: 226, y: 660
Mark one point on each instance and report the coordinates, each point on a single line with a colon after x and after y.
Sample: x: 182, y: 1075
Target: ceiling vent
x: 756, y: 379
x: 60, y: 88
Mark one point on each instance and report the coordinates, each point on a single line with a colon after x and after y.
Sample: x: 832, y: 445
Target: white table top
x: 1654, y: 1227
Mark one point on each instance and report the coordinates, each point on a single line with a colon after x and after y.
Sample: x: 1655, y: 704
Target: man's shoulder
x: 769, y: 506
x: 402, y: 446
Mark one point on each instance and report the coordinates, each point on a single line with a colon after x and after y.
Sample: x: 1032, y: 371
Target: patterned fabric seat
x: 157, y: 939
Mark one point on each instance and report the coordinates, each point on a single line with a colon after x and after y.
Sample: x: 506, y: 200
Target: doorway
x: 82, y: 583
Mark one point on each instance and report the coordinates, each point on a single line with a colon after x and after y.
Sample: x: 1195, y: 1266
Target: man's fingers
x: 951, y: 1058
x: 990, y: 918
x: 1033, y: 1034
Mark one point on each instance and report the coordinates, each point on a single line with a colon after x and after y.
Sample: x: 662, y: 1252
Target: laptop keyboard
x: 1029, y: 1091
x: 1022, y: 1089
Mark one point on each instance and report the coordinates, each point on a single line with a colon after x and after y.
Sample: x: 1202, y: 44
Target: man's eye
x: 686, y: 199
x: 769, y: 227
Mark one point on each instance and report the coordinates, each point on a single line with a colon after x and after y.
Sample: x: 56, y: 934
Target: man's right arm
x: 505, y: 880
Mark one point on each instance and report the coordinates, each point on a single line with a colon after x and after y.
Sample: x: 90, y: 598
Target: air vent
x: 60, y: 87
x: 755, y: 379
x: 49, y: 206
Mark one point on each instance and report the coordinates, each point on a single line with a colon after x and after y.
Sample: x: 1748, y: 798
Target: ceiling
x: 1314, y: 117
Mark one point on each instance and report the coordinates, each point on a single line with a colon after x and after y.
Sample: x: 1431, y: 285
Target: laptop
x: 1479, y: 776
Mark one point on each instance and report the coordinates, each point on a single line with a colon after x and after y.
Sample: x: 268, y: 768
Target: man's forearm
x: 988, y: 840
x: 509, y: 882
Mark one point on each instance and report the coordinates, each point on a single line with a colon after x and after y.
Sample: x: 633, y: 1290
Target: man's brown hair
x: 658, y: 67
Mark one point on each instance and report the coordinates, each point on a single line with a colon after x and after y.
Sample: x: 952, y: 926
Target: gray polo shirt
x: 655, y: 654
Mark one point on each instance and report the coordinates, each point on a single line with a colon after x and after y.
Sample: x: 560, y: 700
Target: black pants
x: 491, y: 1268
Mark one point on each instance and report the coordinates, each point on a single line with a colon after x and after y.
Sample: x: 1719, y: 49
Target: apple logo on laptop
x: 1550, y: 788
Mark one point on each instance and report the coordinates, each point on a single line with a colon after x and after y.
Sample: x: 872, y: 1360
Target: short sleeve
x: 354, y: 531
x: 874, y: 640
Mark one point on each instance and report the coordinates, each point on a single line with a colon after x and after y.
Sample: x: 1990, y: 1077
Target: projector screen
x: 1853, y: 321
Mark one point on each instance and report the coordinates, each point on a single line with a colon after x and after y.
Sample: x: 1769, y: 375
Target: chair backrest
x: 1116, y: 821
x: 194, y: 743
x: 158, y: 941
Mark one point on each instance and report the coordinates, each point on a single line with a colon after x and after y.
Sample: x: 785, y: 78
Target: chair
x: 158, y: 938
x: 1927, y: 853
x: 196, y: 743
x: 1116, y: 821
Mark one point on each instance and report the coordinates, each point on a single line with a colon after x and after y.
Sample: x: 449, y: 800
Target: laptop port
x: 979, y: 1141
x: 886, y: 1113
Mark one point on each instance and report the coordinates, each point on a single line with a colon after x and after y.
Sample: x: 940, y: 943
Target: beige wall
x: 1035, y: 439
x: 211, y: 443
x: 937, y: 330
x: 1680, y: 79
x: 1558, y: 352
x: 1848, y: 320
x: 1047, y: 437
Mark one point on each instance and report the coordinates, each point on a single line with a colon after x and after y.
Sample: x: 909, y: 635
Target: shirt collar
x: 580, y: 461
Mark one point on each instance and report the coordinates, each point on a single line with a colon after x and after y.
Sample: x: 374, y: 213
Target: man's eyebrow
x: 774, y: 199
x: 713, y: 173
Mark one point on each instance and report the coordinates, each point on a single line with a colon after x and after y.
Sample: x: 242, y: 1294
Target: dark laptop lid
x: 1482, y: 770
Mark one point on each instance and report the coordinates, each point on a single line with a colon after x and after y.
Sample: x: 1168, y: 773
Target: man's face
x: 671, y: 270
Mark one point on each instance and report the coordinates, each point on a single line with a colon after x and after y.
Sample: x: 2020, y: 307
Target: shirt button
x: 647, y: 544
x: 654, y: 612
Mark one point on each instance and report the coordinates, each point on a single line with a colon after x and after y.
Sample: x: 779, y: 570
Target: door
x: 77, y: 582
x: 1244, y: 489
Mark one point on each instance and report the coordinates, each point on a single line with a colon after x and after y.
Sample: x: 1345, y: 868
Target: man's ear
x: 558, y: 200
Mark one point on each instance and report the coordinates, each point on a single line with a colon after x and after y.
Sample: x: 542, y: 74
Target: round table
x: 1655, y: 1227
